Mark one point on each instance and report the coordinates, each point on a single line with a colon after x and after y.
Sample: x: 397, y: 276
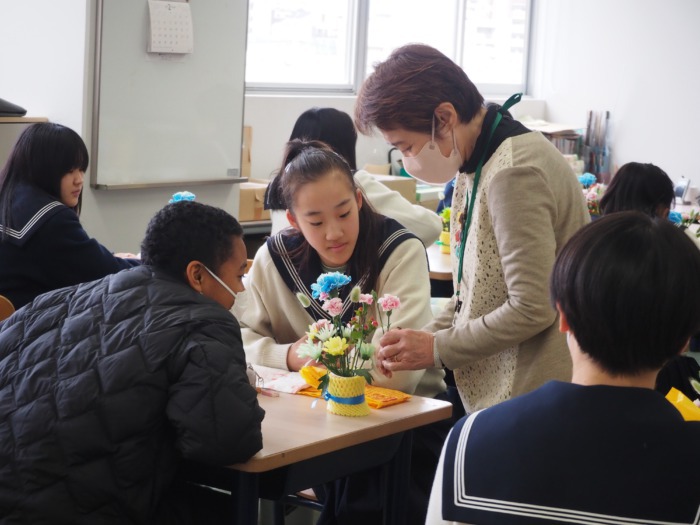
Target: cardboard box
x: 251, y: 199
x: 429, y: 196
x: 406, y: 186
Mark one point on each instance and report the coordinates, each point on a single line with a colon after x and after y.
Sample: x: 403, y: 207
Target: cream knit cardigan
x: 505, y: 339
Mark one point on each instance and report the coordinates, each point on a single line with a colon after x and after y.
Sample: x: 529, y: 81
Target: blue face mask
x: 222, y: 283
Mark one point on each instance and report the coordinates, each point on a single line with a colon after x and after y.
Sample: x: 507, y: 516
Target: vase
x: 346, y: 396
x: 445, y: 242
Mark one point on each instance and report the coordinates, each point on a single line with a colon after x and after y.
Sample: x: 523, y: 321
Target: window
x: 322, y: 46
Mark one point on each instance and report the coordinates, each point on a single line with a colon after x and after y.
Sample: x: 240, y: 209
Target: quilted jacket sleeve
x: 212, y: 405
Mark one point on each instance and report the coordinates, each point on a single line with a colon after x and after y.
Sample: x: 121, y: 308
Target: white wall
x: 46, y: 65
x: 272, y: 118
x: 636, y: 58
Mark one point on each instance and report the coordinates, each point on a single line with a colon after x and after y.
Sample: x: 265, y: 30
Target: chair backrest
x: 6, y: 308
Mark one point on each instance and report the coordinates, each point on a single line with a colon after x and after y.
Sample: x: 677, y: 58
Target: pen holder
x: 346, y: 396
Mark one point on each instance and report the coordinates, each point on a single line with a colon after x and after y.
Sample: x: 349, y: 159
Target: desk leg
x: 245, y: 498
x: 398, y: 483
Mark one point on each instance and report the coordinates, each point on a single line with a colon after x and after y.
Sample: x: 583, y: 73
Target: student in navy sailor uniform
x: 606, y: 448
x: 42, y: 243
x: 336, y: 229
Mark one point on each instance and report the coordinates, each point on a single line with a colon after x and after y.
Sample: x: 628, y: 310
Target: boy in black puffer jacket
x: 105, y: 386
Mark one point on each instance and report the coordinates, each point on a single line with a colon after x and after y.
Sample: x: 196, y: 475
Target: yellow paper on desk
x: 376, y: 396
x: 689, y: 410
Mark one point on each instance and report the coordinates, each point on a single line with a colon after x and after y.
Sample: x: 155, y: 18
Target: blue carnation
x: 182, y: 196
x: 328, y: 282
x: 587, y: 179
x: 675, y: 217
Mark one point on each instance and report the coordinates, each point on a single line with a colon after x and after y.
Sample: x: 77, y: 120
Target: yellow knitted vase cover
x: 445, y: 242
x: 346, y: 396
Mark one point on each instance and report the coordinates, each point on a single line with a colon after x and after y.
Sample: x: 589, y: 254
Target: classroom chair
x: 6, y: 308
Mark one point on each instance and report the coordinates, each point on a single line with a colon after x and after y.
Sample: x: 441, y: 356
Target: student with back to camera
x: 110, y: 384
x: 334, y: 228
x: 43, y: 246
x: 605, y: 448
x: 336, y: 129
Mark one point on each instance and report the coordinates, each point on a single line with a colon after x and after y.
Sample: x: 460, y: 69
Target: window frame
x: 358, y: 62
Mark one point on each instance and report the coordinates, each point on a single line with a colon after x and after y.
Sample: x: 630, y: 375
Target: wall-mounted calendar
x: 170, y: 28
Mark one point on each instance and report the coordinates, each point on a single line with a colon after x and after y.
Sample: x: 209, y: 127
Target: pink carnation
x: 389, y: 302
x: 321, y: 324
x: 333, y: 306
x: 323, y: 296
x: 366, y: 298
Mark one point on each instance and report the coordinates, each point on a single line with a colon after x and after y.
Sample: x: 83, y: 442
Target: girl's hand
x: 294, y: 362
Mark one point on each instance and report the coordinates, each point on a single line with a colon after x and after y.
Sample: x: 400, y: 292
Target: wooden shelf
x: 22, y: 120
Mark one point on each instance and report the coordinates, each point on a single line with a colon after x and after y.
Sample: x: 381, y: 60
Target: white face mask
x: 430, y: 165
x: 222, y: 283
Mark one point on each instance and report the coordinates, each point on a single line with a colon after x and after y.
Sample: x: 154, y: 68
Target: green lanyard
x: 465, y: 228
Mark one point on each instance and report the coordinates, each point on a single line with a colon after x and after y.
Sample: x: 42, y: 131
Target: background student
x: 334, y: 228
x: 109, y: 384
x: 43, y: 246
x: 605, y: 448
x: 336, y: 129
x: 648, y: 189
x: 515, y: 203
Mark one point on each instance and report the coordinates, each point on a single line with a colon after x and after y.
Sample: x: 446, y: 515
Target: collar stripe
x: 18, y: 234
x: 461, y: 499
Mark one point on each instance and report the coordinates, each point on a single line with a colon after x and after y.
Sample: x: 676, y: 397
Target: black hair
x: 331, y: 126
x: 637, y: 186
x: 43, y: 154
x: 628, y: 285
x: 308, y: 161
x: 187, y: 231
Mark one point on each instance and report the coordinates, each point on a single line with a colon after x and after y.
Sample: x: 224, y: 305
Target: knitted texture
x: 347, y: 387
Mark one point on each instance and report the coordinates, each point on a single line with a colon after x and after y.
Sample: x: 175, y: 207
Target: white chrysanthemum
x: 346, y: 332
x: 367, y: 351
x: 324, y: 334
x: 312, y: 350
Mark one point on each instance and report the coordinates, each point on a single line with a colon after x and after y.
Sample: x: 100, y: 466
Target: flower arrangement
x: 685, y: 219
x: 344, y: 348
x: 592, y: 191
x: 445, y: 215
x: 593, y: 195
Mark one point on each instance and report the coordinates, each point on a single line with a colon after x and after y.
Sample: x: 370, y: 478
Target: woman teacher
x: 518, y: 203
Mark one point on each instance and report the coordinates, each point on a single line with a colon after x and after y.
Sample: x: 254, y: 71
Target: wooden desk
x: 303, y: 446
x: 440, y: 264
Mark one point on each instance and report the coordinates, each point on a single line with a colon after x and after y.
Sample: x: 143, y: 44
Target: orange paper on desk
x: 376, y: 396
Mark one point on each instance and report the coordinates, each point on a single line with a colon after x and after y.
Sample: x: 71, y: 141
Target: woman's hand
x: 405, y: 350
x: 294, y: 362
x: 126, y: 256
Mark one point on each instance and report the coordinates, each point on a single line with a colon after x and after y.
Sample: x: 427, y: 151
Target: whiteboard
x: 165, y: 119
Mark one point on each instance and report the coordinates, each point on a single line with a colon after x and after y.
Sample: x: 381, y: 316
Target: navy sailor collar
x: 299, y: 276
x: 31, y: 208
